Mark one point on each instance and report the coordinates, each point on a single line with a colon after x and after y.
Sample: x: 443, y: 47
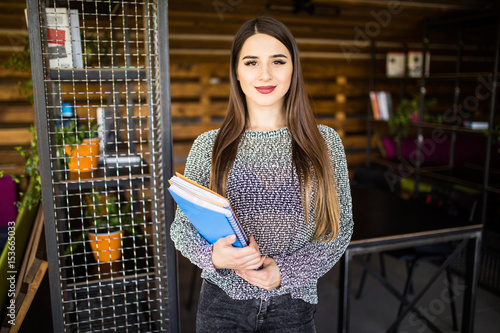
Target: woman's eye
x: 279, y: 62
x: 251, y: 63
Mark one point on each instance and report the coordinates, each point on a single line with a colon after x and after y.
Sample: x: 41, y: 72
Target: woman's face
x: 264, y: 71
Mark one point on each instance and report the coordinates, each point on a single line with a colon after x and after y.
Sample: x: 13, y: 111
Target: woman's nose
x: 265, y: 74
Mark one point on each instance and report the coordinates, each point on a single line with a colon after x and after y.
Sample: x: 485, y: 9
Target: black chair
x: 450, y: 202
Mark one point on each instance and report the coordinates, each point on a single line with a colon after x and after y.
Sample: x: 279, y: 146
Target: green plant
x: 407, y: 111
x: 106, y: 214
x: 21, y: 62
x: 96, y: 48
x: 110, y: 215
x: 73, y: 135
x: 31, y: 171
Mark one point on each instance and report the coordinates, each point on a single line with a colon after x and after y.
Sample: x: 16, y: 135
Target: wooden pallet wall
x: 199, y: 81
x: 17, y: 115
x: 200, y: 92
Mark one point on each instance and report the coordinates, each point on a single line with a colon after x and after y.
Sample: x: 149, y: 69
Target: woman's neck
x: 265, y: 119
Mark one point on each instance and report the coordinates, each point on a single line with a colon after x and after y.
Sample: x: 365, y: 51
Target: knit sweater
x: 264, y: 192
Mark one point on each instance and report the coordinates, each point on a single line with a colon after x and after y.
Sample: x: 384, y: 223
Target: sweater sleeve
x: 316, y: 258
x: 185, y: 237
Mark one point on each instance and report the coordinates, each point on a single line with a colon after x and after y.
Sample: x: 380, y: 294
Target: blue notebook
x: 210, y: 213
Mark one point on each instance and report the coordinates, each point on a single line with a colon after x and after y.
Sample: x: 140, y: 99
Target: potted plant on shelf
x: 80, y: 146
x: 108, y: 219
x: 406, y: 112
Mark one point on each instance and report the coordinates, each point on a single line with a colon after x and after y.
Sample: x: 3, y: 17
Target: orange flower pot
x: 83, y: 157
x: 106, y: 247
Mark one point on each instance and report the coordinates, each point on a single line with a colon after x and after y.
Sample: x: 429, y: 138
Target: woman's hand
x: 225, y: 255
x: 269, y: 277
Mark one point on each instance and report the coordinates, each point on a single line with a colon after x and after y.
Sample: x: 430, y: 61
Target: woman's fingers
x: 267, y: 278
x: 225, y: 255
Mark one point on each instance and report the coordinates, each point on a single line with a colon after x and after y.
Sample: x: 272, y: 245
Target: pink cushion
x: 8, y: 199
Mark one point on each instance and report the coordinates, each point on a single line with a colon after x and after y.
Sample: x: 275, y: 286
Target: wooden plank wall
x: 200, y: 92
x: 16, y: 112
x: 200, y: 39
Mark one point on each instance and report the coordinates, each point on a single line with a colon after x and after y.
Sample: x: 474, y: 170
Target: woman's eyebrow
x: 273, y: 56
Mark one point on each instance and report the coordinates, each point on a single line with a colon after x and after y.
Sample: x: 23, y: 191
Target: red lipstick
x: 265, y: 89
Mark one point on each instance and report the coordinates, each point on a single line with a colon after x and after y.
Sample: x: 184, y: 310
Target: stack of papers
x: 210, y: 213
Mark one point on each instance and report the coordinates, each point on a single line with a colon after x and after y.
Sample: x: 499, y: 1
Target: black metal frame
x: 470, y: 237
x: 168, y: 164
x: 491, y: 119
x: 34, y: 26
x: 44, y: 163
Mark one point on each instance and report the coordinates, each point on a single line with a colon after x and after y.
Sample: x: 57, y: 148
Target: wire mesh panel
x: 102, y: 112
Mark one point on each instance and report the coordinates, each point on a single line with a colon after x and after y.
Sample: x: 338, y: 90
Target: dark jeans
x: 217, y: 312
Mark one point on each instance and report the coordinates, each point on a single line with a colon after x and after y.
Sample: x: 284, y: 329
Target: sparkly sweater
x: 264, y: 192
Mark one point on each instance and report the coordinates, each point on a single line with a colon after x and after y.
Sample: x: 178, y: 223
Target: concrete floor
x: 377, y: 308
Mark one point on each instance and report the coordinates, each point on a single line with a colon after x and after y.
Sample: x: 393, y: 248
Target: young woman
x: 286, y: 178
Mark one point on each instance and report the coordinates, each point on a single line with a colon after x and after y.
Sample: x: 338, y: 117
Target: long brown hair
x: 309, y: 152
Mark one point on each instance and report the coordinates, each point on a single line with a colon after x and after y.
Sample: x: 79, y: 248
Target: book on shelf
x: 381, y: 105
x: 76, y: 42
x: 478, y: 125
x: 63, y: 38
x: 374, y: 105
x: 59, y: 45
x: 210, y: 213
x: 106, y: 120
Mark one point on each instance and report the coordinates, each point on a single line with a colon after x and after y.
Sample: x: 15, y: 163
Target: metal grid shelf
x: 97, y: 74
x: 123, y: 86
x: 135, y: 260
x: 112, y: 181
x: 86, y: 299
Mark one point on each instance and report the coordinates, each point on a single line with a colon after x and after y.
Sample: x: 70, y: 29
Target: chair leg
x: 452, y: 303
x: 363, y: 274
x: 408, y: 285
x: 382, y: 263
x: 410, y: 266
x: 363, y: 277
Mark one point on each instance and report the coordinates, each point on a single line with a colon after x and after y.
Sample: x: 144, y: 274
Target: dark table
x: 383, y: 221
